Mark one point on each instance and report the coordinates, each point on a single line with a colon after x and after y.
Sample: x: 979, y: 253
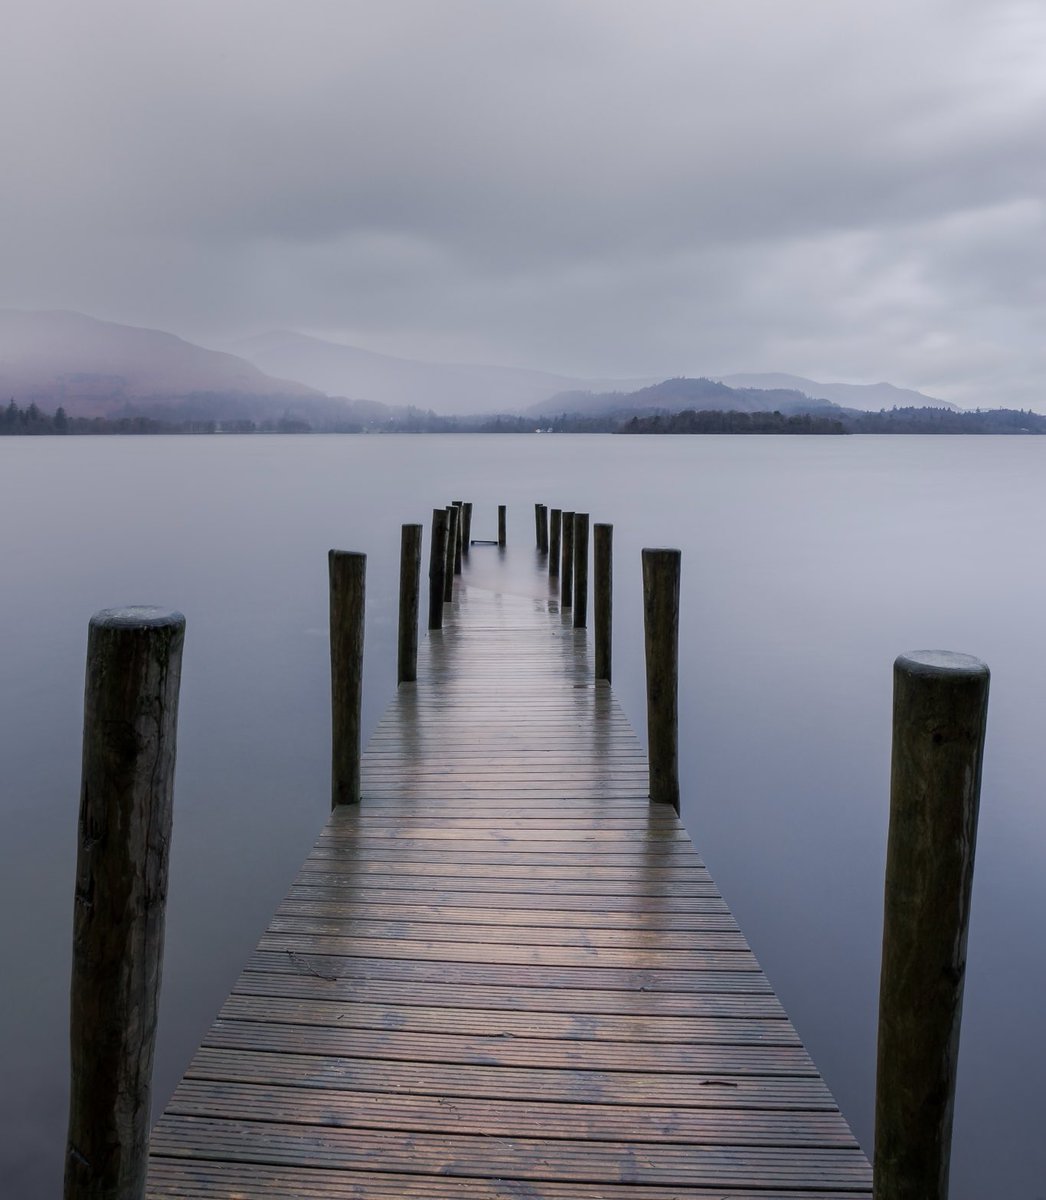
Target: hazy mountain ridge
x: 99, y: 368
x: 448, y: 388
x: 681, y: 394
x: 866, y: 397
x: 92, y: 367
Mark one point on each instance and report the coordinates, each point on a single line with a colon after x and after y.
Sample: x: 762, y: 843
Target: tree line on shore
x: 32, y: 420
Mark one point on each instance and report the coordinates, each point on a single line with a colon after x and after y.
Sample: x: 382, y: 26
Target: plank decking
x: 505, y: 975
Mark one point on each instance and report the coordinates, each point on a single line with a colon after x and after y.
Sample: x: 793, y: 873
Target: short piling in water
x: 939, y: 715
x: 555, y: 524
x: 661, y: 635
x: 459, y: 548
x: 452, y: 549
x: 437, y: 567
x: 566, y: 561
x: 502, y: 525
x: 466, y: 530
x: 580, y: 570
x: 134, y: 660
x: 348, y: 571
x: 603, y: 570
x: 410, y: 584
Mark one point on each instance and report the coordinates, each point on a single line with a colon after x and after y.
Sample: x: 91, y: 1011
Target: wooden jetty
x: 505, y: 973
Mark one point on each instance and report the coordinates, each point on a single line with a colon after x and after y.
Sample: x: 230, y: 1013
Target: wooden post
x: 566, y: 565
x: 458, y: 548
x: 348, y: 572
x: 134, y: 658
x: 555, y: 523
x: 466, y: 532
x: 580, y: 570
x: 541, y: 522
x: 603, y: 567
x: 939, y: 713
x: 661, y: 630
x: 437, y: 567
x: 410, y: 584
x: 452, y: 546
x: 501, y: 525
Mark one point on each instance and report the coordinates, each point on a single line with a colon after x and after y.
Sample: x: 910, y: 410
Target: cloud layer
x: 829, y: 188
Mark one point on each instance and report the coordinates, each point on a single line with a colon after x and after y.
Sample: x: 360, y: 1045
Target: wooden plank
x: 526, y: 1119
x: 493, y: 1049
x: 631, y: 907
x: 514, y: 955
x: 493, y: 1156
x: 300, y: 960
x: 556, y: 914
x: 482, y: 1022
x: 585, y: 937
x: 451, y: 996
x: 558, y: 1084
x: 186, y: 1179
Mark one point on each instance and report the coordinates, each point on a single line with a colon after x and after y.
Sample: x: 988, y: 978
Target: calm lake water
x: 808, y: 565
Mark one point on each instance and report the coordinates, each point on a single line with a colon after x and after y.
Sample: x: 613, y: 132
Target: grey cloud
x: 819, y: 187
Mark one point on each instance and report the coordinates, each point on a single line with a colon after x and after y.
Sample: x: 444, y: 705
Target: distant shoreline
x: 32, y: 421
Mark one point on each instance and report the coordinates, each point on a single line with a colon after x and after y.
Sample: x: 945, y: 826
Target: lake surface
x: 808, y: 565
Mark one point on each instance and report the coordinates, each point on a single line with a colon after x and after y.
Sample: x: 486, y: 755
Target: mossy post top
x: 943, y: 663
x: 138, y: 616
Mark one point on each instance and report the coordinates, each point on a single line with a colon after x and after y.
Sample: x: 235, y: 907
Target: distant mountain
x: 100, y: 368
x: 867, y: 397
x: 95, y: 368
x: 679, y: 395
x: 343, y: 370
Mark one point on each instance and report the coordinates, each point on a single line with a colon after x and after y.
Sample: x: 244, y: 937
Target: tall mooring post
x: 348, y: 571
x: 437, y: 567
x: 541, y: 527
x: 566, y: 564
x: 661, y: 630
x: 459, y: 547
x: 603, y: 569
x: 939, y: 715
x: 134, y: 658
x: 580, y: 570
x: 554, y: 526
x: 466, y: 529
x: 502, y: 525
x: 410, y: 584
x: 452, y: 550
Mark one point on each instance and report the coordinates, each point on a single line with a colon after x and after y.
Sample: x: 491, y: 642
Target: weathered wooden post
x: 661, y: 629
x: 603, y: 568
x: 566, y: 564
x: 437, y: 567
x: 348, y: 571
x: 501, y: 525
x: 134, y: 658
x: 466, y: 532
x: 458, y: 547
x: 939, y: 712
x: 410, y: 584
x: 541, y: 524
x: 555, y: 521
x: 580, y: 570
x: 452, y: 544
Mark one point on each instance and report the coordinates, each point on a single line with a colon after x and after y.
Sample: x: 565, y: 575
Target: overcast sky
x: 845, y: 190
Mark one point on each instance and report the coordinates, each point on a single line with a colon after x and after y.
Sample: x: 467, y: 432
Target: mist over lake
x: 808, y: 565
